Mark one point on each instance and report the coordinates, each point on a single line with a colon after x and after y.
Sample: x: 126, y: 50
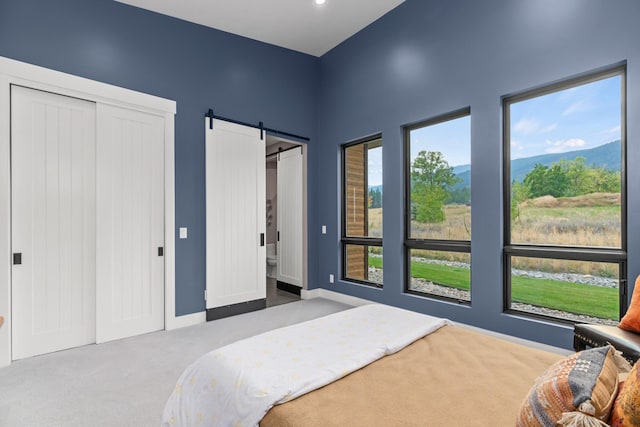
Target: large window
x: 362, y: 211
x: 438, y: 207
x: 565, y: 222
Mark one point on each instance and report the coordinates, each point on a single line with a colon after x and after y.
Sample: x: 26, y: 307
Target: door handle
x: 160, y: 251
x: 17, y: 258
x: 261, y: 239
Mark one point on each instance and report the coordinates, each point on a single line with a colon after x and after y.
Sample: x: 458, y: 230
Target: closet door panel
x: 130, y: 218
x: 53, y: 222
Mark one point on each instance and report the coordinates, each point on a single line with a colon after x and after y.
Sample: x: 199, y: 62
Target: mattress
x: 452, y: 377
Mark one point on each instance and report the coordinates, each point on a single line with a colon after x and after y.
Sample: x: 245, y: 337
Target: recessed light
x: 319, y: 2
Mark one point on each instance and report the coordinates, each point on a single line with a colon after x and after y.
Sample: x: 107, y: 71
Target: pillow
x: 577, y: 391
x: 626, y: 409
x: 631, y: 320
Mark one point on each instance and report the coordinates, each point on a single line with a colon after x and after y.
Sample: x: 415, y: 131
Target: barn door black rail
x: 260, y: 126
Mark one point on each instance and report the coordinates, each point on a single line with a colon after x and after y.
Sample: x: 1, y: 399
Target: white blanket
x: 237, y: 384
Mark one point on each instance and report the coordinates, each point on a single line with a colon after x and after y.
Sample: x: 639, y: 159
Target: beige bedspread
x: 452, y: 377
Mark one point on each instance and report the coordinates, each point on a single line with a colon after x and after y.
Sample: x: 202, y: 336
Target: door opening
x: 285, y: 217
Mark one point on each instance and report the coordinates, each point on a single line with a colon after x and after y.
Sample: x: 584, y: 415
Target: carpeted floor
x: 126, y: 382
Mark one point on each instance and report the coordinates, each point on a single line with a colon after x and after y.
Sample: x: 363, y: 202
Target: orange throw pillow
x: 631, y: 320
x: 626, y: 409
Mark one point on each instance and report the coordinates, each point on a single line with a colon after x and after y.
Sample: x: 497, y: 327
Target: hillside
x: 606, y: 156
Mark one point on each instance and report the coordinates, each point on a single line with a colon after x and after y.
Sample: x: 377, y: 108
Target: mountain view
x: 606, y: 156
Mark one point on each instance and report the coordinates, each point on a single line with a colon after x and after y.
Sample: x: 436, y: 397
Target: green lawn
x: 571, y: 297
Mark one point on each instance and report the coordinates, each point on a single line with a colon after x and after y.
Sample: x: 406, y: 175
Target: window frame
x: 411, y: 243
x: 346, y: 240
x: 568, y: 252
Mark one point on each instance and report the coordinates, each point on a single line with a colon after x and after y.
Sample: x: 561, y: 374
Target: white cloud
x: 613, y: 130
x: 527, y: 126
x: 564, y: 145
x: 577, y: 107
x: 530, y: 126
x: 517, y: 144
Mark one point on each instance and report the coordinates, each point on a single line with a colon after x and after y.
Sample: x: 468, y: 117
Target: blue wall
x: 425, y: 58
x: 429, y: 57
x: 196, y: 66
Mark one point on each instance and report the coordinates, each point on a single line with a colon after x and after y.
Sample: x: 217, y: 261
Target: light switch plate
x: 183, y: 232
x: 324, y: 229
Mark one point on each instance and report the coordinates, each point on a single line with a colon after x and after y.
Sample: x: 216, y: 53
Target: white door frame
x: 19, y: 73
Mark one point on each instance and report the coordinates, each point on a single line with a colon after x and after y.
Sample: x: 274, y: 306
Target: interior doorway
x: 285, y: 217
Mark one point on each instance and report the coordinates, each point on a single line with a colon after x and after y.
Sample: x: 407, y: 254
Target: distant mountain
x: 606, y: 156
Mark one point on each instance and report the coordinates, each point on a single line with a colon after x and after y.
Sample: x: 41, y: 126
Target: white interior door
x: 290, y: 217
x: 130, y: 223
x: 53, y: 222
x: 235, y: 193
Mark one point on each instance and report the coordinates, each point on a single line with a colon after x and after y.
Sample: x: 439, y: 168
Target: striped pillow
x: 578, y: 390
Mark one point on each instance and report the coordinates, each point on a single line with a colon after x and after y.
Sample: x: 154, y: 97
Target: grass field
x: 559, y: 295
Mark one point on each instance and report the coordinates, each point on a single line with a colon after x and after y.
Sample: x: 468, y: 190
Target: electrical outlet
x: 331, y: 278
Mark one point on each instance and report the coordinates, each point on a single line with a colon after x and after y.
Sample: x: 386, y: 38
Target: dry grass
x: 456, y: 226
x: 587, y: 200
x: 592, y: 220
x: 375, y: 222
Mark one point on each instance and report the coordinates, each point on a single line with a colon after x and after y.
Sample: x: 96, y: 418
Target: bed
x: 367, y: 366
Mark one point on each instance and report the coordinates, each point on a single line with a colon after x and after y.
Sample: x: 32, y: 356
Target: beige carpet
x: 126, y: 382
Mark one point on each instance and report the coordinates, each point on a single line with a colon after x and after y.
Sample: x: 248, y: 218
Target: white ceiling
x: 295, y: 24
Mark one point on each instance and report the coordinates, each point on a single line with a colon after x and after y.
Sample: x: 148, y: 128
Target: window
x: 362, y: 211
x: 438, y: 207
x: 565, y: 222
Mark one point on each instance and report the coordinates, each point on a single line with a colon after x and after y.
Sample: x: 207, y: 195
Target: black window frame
x: 569, y: 252
x: 410, y: 243
x: 345, y: 239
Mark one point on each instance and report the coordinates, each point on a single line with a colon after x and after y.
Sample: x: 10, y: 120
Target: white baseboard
x: 186, y: 320
x: 333, y: 296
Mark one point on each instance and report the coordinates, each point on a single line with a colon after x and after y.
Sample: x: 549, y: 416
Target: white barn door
x: 235, y: 201
x: 130, y: 223
x: 290, y: 217
x: 53, y: 222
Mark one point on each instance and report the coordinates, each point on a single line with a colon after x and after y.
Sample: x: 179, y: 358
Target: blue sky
x: 452, y: 138
x: 579, y: 118
x: 375, y: 166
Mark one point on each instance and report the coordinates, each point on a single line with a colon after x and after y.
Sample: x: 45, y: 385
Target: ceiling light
x: 319, y: 2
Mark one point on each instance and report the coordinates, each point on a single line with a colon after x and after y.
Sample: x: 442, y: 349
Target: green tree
x: 431, y: 175
x: 375, y: 198
x: 519, y: 193
x: 547, y: 181
x: 570, y: 178
x: 459, y: 195
x: 576, y: 172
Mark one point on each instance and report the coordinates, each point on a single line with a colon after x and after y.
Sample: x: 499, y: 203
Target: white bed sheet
x: 237, y: 384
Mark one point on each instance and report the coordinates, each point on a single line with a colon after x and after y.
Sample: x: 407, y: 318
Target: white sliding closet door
x: 130, y: 223
x: 290, y: 217
x: 53, y: 222
x: 235, y: 192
